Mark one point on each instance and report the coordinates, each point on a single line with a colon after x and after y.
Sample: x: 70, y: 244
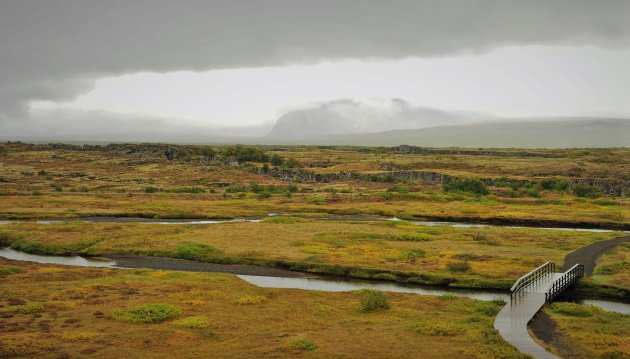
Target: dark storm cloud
x: 52, y: 49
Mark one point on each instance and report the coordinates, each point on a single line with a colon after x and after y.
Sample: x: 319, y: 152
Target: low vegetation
x: 193, y: 322
x: 147, y: 313
x: 167, y: 181
x: 77, y: 303
x: 372, y: 300
x: 484, y: 257
x: 590, y: 331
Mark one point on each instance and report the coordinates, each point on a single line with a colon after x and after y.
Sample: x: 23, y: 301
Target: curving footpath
x: 588, y: 255
x: 513, y: 318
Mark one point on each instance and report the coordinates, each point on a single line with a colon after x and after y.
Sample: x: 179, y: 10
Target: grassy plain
x: 52, y: 311
x: 484, y: 257
x: 36, y: 182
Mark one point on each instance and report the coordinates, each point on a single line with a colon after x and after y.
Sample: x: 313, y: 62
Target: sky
x: 81, y: 66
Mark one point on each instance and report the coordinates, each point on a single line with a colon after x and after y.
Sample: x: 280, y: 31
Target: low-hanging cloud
x: 81, y: 125
x: 54, y: 49
x: 349, y: 116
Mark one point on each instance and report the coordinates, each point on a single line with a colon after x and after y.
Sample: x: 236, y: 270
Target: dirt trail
x: 588, y: 255
x: 546, y: 330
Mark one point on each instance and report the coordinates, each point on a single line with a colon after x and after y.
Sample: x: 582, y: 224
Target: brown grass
x: 326, y: 324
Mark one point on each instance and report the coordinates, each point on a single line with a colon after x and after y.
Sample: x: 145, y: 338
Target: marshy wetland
x: 372, y: 217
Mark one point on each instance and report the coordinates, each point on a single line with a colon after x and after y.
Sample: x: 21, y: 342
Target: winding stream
x: 358, y: 218
x: 276, y: 278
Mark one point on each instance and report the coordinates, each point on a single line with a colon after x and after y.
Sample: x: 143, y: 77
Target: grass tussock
x: 458, y: 266
x: 251, y: 300
x: 437, y: 328
x: 28, y: 308
x: 371, y: 300
x: 193, y: 322
x: 305, y: 344
x: 147, y: 313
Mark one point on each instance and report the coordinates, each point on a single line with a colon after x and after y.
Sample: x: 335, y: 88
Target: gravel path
x: 588, y: 255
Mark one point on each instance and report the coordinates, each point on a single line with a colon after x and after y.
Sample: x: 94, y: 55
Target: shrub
x: 470, y: 185
x: 263, y: 195
x: 251, y: 299
x: 195, y: 251
x: 448, y: 296
x: 26, y: 308
x: 193, y: 322
x: 245, y: 153
x: 292, y: 163
x: 585, y: 191
x: 255, y: 187
x: 547, y: 184
x: 150, y: 190
x: 9, y: 270
x: 503, y: 182
x: 276, y: 160
x: 147, y: 313
x: 305, y: 344
x: 532, y: 192
x: 562, y: 186
x: 359, y: 273
x: 292, y: 188
x: 458, y: 266
x: 372, y: 300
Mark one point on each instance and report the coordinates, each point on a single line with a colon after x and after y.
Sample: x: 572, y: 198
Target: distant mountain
x: 345, y: 117
x: 522, y: 133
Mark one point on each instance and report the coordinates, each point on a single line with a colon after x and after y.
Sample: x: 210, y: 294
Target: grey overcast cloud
x: 123, y: 69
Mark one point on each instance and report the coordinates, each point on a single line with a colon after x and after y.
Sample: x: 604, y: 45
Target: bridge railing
x: 569, y: 278
x: 532, y: 277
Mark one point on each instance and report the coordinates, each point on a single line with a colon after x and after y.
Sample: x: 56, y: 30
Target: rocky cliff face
x: 406, y: 149
x: 607, y: 187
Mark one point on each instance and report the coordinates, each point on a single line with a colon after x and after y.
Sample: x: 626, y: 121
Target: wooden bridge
x: 528, y: 294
